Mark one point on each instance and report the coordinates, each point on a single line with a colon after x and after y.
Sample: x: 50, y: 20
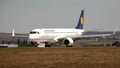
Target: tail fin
x: 81, y: 21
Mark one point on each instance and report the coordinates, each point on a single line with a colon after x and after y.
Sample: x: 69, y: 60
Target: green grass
x: 84, y: 57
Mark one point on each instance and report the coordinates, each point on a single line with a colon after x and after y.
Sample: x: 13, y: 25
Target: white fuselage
x: 52, y: 35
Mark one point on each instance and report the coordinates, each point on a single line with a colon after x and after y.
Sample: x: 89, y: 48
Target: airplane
x: 47, y: 36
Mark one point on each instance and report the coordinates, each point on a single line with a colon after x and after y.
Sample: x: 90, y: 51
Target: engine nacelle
x: 68, y: 41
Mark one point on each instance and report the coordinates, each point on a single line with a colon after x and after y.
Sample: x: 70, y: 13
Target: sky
x: 25, y: 15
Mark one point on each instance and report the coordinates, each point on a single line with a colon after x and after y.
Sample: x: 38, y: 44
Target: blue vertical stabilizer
x: 81, y: 21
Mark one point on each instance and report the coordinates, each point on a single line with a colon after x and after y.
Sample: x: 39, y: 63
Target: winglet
x: 114, y: 32
x: 13, y: 33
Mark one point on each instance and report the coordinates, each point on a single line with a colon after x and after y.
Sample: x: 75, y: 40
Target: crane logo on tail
x: 81, y: 20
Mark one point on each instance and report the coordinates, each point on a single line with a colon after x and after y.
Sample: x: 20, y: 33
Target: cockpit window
x: 33, y: 32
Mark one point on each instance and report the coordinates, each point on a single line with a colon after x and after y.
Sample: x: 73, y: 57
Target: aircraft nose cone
x: 33, y: 36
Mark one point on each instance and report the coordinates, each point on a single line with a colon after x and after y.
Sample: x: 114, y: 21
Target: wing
x: 88, y: 36
x: 91, y: 36
x: 21, y: 36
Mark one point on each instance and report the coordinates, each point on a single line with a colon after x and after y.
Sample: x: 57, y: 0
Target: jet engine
x: 68, y: 42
